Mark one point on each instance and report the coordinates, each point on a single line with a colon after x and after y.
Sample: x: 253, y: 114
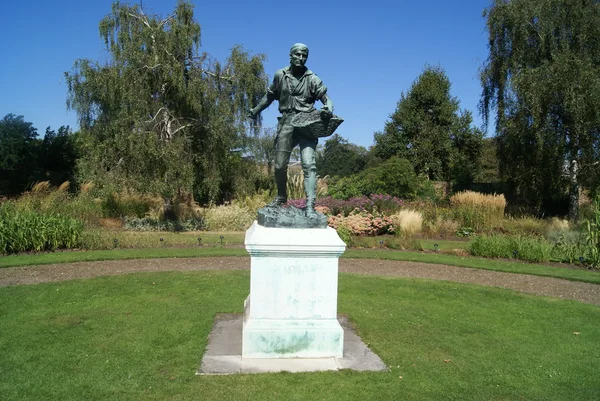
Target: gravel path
x: 553, y: 287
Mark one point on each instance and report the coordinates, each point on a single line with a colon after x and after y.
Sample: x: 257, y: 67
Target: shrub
x: 295, y: 186
x: 254, y: 202
x: 441, y: 227
x: 345, y: 234
x: 228, y: 218
x: 525, y: 225
x: 111, y: 239
x: 28, y: 230
x: 569, y: 247
x: 362, y: 223
x: 407, y: 222
x: 528, y: 248
x: 473, y: 209
x: 395, y: 177
x: 129, y: 204
x: 591, y: 252
x: 374, y: 203
x: 150, y: 224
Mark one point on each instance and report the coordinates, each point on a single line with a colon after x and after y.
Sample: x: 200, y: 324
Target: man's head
x: 298, y: 55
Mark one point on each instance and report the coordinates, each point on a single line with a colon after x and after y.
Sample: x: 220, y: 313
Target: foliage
x: 476, y: 210
x: 261, y: 147
x: 526, y: 225
x: 542, y: 77
x: 340, y: 158
x: 407, y: 222
x: 489, y: 170
x: 126, y: 205
x: 228, y: 218
x: 150, y: 224
x: 523, y: 247
x: 18, y: 154
x: 345, y: 234
x: 386, y: 242
x: 168, y: 243
x: 159, y: 116
x: 464, y: 232
x: 24, y: 158
x: 394, y: 177
x: 374, y: 203
x: 440, y: 227
x: 592, y: 237
x: 254, y: 202
x: 58, y: 155
x: 361, y: 222
x: 295, y: 186
x: 428, y: 131
x: 59, y: 200
x: 26, y: 231
x: 569, y: 248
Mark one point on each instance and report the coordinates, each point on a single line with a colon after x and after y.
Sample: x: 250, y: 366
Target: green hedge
x: 531, y: 249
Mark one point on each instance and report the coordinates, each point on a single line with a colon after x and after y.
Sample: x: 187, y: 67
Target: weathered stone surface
x: 290, y: 217
x: 291, y: 311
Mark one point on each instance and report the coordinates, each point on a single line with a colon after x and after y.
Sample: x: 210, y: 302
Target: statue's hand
x: 325, y: 112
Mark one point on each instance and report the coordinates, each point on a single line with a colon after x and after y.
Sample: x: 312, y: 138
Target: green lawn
x: 141, y: 337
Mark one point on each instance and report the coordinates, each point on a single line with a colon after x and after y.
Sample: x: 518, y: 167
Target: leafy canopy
x: 159, y: 116
x: 542, y: 78
x: 428, y: 130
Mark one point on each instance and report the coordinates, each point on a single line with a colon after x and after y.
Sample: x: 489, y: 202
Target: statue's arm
x: 263, y: 104
x: 327, y: 102
x: 327, y: 109
x: 268, y: 98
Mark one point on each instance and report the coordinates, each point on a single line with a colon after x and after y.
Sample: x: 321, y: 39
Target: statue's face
x: 298, y: 57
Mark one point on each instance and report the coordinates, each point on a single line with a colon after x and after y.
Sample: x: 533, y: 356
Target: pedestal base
x: 291, y: 311
x: 289, y: 338
x: 223, y: 353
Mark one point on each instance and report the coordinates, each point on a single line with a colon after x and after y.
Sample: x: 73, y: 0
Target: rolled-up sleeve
x: 273, y: 89
x: 318, y: 89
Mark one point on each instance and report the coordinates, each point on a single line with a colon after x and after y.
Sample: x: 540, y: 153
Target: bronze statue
x: 297, y: 89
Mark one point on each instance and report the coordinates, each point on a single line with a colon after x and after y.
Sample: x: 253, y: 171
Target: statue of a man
x: 297, y: 89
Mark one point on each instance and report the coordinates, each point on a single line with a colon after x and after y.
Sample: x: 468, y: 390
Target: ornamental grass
x: 477, y: 210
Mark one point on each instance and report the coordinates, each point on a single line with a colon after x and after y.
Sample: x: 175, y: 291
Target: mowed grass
x: 141, y: 337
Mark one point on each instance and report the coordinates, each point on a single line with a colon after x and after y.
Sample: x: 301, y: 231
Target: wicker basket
x: 313, y: 125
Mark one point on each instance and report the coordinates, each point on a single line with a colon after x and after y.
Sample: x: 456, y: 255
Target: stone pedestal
x: 291, y: 311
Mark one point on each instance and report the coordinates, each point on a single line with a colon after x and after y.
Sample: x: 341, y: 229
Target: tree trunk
x: 573, y: 190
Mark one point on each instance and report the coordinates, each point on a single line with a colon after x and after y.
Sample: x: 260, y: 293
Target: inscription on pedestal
x: 292, y: 307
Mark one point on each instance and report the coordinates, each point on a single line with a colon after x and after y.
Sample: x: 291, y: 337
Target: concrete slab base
x: 223, y: 355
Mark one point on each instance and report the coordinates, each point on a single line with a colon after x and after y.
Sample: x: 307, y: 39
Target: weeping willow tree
x: 542, y: 78
x: 160, y: 116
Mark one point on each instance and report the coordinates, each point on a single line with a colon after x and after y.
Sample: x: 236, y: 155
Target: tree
x: 58, y: 155
x: 340, y: 158
x: 489, y: 172
x: 261, y: 148
x: 427, y: 130
x: 160, y: 116
x: 542, y: 77
x: 395, y: 177
x: 18, y: 154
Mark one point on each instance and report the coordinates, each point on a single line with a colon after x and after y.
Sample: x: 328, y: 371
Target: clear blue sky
x: 366, y: 53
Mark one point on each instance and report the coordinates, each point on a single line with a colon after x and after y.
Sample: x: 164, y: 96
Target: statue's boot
x: 278, y: 201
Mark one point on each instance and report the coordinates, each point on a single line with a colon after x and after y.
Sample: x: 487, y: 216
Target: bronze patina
x: 297, y: 88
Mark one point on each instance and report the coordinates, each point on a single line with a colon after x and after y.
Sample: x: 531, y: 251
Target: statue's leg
x: 307, y: 157
x: 283, y: 149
